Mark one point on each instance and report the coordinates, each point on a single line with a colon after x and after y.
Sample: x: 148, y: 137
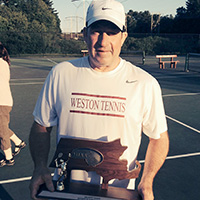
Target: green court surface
x: 178, y: 179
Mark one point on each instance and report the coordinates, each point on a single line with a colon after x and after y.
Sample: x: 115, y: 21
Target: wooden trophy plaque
x: 89, y: 155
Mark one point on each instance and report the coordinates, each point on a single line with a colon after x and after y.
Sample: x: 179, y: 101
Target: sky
x: 72, y: 17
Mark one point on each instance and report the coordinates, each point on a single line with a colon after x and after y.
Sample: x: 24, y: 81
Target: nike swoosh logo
x: 127, y: 81
x: 106, y: 8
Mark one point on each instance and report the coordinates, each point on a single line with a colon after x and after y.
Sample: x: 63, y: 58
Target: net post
x: 187, y: 62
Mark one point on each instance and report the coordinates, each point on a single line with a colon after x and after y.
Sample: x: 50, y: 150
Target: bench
x: 172, y: 62
x: 84, y: 52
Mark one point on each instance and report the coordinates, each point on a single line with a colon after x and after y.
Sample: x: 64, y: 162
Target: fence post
x: 187, y: 62
x: 143, y: 57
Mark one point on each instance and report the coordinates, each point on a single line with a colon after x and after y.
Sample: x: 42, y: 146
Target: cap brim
x: 107, y: 18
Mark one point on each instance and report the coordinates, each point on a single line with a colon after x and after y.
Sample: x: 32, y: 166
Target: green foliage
x: 187, y: 20
x: 179, y: 44
x: 138, y: 22
x: 29, y: 26
x: 193, y: 8
x: 72, y: 46
x: 147, y: 44
x: 12, y: 20
x: 166, y: 24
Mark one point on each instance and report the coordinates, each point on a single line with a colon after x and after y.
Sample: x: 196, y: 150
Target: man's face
x: 104, y: 41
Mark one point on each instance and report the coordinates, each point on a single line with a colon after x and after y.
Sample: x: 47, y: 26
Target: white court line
x: 31, y: 83
x: 52, y: 61
x: 27, y: 79
x: 183, y: 156
x: 187, y: 126
x: 17, y: 180
x: 175, y: 120
x: 178, y: 156
x: 141, y: 161
x: 184, y: 94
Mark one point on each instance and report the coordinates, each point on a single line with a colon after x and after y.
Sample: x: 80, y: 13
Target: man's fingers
x: 34, y: 190
x: 49, y: 184
x: 34, y: 186
x: 40, y: 177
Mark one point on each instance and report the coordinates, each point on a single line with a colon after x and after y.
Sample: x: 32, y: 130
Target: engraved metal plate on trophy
x: 89, y: 155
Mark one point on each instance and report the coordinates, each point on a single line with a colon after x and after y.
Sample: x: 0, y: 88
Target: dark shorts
x: 5, y: 132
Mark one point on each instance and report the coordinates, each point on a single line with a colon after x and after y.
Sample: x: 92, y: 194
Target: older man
x: 101, y: 97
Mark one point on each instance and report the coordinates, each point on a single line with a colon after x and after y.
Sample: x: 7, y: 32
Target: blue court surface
x: 178, y: 179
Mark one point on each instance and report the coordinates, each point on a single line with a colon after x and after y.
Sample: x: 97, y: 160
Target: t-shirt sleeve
x: 44, y: 112
x: 154, y: 119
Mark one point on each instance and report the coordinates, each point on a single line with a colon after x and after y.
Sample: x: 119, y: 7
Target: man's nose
x: 103, y: 38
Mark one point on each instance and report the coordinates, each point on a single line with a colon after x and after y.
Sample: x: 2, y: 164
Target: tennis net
x: 192, y: 62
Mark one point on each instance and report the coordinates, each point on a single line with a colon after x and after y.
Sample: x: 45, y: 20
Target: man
x: 101, y: 97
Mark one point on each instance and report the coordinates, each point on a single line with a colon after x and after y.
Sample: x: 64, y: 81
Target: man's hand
x: 146, y: 192
x: 40, y: 176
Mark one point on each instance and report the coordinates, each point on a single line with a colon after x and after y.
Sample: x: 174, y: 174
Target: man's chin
x: 103, y: 62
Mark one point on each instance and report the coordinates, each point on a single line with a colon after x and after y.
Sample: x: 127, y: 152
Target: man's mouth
x: 102, y: 51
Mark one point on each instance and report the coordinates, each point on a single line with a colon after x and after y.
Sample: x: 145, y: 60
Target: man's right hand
x: 40, y: 176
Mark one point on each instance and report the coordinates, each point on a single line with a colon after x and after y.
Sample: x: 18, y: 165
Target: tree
x: 187, y: 19
x: 193, y: 8
x: 167, y: 24
x: 138, y: 22
x: 33, y: 24
x: 8, y: 3
x: 181, y: 11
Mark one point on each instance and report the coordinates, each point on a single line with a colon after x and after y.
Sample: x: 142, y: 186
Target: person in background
x: 101, y: 97
x: 6, y: 103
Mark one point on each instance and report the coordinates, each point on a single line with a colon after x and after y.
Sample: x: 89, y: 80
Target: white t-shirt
x: 85, y: 103
x: 5, y: 92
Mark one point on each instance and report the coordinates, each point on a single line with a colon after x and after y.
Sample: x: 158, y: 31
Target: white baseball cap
x: 109, y: 10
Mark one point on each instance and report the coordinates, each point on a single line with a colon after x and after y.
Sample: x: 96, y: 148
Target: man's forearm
x: 39, y: 142
x: 155, y: 156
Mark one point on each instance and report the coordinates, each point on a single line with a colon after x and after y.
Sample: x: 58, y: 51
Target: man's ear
x: 124, y: 36
x: 85, y: 34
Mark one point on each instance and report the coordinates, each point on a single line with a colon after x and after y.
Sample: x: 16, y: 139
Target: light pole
x: 155, y: 22
x: 83, y: 10
x: 71, y: 27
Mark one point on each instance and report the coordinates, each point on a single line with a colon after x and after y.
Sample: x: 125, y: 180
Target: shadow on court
x: 4, y: 194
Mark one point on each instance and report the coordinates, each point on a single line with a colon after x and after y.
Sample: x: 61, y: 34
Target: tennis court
x: 178, y: 179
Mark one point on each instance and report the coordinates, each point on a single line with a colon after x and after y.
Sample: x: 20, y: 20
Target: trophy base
x: 78, y: 191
